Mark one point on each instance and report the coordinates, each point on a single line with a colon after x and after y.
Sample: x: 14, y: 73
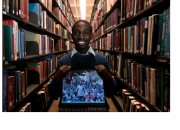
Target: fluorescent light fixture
x: 76, y: 10
x: 83, y: 9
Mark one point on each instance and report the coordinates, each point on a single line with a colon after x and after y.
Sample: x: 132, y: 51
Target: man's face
x: 81, y: 35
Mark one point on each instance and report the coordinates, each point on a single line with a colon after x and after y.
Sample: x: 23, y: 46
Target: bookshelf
x: 148, y: 11
x: 154, y: 61
x: 28, y: 26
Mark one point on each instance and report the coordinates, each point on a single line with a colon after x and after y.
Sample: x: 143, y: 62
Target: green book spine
x: 8, y: 31
x: 163, y: 32
x: 33, y: 64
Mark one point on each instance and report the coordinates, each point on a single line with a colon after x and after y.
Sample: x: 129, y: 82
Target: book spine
x: 129, y: 39
x: 148, y: 82
x: 22, y: 85
x: 149, y: 32
x: 141, y: 36
x: 157, y: 89
x: 166, y: 32
x: 163, y: 32
x: 132, y: 39
x: 138, y: 38
x: 5, y: 88
x: 19, y: 86
x: 160, y: 35
x: 167, y: 48
x: 138, y: 79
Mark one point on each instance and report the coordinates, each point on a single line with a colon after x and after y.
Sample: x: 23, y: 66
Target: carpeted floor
x: 54, y: 106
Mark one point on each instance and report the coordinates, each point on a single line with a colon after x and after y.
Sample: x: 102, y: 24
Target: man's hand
x: 61, y: 73
x: 103, y: 72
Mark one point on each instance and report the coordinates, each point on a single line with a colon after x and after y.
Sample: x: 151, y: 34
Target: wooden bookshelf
x: 30, y: 89
x: 153, y: 108
x: 30, y: 26
x: 131, y: 21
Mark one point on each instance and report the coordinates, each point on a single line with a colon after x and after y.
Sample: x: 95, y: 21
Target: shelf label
x: 6, y: 62
x: 4, y: 12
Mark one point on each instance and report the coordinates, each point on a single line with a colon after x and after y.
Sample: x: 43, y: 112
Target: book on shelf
x: 10, y: 94
x: 5, y: 89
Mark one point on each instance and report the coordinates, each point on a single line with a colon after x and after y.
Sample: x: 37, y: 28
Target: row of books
x: 21, y: 43
x: 130, y: 8
x: 17, y: 7
x: 111, y: 22
x: 131, y: 103
x: 150, y: 36
x: 48, y: 4
x: 151, y: 83
x: 103, y: 7
x: 38, y: 102
x: 18, y: 80
x: 35, y: 14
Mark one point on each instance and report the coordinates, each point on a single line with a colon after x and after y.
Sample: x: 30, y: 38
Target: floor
x: 54, y: 106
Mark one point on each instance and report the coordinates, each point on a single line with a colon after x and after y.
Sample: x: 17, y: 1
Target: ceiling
x: 76, y: 4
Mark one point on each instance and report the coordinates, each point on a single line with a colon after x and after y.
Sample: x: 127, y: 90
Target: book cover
x: 33, y: 44
x: 35, y: 7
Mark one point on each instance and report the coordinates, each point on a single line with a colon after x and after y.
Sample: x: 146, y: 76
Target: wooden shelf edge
x: 27, y: 95
x: 31, y: 57
x: 134, y: 54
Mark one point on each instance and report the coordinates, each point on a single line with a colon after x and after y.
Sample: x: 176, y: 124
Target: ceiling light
x: 83, y: 9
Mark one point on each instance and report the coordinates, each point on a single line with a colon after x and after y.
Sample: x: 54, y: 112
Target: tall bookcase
x: 99, y: 18
x: 65, y: 9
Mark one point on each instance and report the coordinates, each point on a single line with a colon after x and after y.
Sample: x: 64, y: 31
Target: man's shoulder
x: 68, y: 56
x: 100, y: 56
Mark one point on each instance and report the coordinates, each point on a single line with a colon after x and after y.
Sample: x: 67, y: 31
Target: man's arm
x: 55, y: 86
x: 110, y: 84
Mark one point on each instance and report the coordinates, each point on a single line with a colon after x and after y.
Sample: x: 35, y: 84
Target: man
x: 80, y: 89
x: 82, y: 56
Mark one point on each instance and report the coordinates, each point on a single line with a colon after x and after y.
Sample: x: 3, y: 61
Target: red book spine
x: 27, y: 10
x: 130, y: 8
x: 44, y: 65
x: 140, y: 6
x: 42, y: 77
x: 138, y: 79
x: 10, y: 100
x: 22, y: 9
x: 126, y: 39
x: 141, y: 35
x: 119, y: 41
x: 22, y: 85
x: 124, y: 15
x: 122, y: 40
x: 45, y: 69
